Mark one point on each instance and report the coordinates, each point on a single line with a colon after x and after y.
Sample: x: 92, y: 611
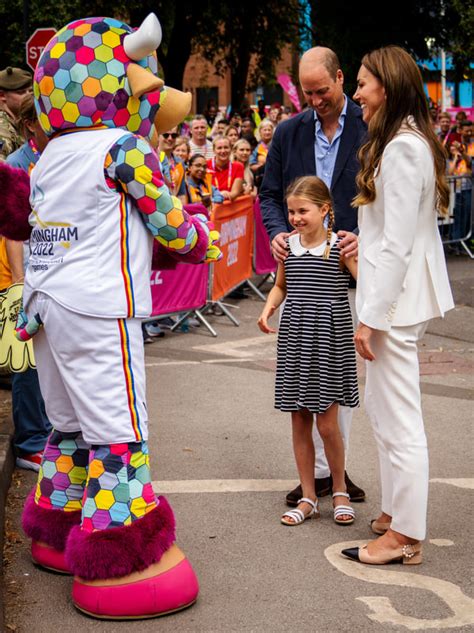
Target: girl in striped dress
x: 316, y: 363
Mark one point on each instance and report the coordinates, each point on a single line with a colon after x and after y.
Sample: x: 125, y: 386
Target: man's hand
x: 362, y: 341
x: 349, y: 244
x: 279, y: 249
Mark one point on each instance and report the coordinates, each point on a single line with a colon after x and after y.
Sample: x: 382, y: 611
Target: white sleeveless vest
x: 90, y: 249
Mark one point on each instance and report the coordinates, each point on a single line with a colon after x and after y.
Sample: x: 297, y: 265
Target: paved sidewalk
x: 223, y: 456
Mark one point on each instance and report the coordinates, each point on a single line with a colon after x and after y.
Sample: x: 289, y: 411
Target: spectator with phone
x: 199, y: 183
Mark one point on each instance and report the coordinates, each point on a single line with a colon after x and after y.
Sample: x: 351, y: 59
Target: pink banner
x: 469, y: 112
x: 263, y: 261
x: 180, y: 289
x: 289, y: 87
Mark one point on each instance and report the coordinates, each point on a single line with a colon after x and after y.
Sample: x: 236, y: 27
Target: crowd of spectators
x: 456, y: 136
x: 214, y: 158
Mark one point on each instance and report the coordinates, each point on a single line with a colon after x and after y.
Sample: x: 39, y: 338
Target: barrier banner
x: 263, y: 259
x: 180, y: 289
x: 234, y: 221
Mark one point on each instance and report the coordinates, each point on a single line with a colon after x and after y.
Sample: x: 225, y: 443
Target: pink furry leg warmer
x: 50, y: 526
x: 120, y: 551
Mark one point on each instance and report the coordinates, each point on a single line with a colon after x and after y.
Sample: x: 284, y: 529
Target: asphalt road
x: 223, y: 456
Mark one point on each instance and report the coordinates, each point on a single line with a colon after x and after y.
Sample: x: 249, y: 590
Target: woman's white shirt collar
x: 298, y: 249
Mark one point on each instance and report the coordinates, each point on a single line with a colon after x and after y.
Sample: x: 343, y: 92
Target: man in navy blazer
x: 323, y: 141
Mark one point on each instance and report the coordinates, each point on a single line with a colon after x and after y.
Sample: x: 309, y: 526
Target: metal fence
x: 456, y: 227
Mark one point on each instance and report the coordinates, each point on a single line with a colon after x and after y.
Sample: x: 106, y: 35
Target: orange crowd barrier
x: 234, y: 221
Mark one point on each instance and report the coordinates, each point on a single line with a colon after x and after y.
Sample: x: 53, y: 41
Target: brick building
x: 204, y: 84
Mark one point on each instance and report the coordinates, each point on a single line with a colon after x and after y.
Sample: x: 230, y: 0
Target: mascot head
x: 98, y: 71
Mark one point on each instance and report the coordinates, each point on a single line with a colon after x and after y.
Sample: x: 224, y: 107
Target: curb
x: 7, y: 464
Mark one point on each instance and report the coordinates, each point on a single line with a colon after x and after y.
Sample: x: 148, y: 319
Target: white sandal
x: 343, y: 510
x: 298, y: 515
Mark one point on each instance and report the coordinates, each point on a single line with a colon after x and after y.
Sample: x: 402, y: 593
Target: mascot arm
x: 133, y: 165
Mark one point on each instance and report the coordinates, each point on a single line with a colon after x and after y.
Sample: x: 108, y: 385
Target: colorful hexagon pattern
x: 118, y: 489
x: 87, y: 59
x: 63, y: 473
x: 136, y: 166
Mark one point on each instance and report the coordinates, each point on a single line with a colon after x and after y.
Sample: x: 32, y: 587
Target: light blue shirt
x: 325, y: 152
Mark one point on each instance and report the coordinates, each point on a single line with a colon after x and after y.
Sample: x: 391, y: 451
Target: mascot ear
x: 174, y: 107
x: 142, y: 81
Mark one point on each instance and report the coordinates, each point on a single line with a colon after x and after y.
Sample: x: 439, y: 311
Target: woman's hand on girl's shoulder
x: 263, y: 320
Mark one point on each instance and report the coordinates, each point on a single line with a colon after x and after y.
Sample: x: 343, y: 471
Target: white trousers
x: 393, y: 403
x: 91, y: 373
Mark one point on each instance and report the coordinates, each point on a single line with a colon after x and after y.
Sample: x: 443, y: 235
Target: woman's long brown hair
x: 401, y: 78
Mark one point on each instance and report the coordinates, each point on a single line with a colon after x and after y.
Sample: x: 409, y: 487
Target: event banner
x: 263, y: 261
x: 234, y: 221
x: 180, y: 289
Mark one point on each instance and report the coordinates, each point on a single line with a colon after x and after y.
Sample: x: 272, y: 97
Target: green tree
x: 230, y: 36
x: 249, y: 40
x: 352, y: 29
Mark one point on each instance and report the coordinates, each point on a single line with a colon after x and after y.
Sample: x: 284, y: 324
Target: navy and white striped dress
x: 316, y: 362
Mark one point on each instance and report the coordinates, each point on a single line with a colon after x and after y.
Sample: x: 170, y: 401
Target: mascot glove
x: 213, y: 252
x: 26, y: 329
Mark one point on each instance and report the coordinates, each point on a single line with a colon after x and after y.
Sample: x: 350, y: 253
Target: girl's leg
x: 303, y: 447
x: 334, y: 448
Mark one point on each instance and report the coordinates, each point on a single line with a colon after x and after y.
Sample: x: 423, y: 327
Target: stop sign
x: 36, y: 44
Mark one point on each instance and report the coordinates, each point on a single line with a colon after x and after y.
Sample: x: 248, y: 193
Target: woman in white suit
x: 402, y: 283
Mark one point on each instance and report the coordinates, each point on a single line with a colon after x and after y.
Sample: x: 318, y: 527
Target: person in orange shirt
x: 227, y: 176
x: 199, y: 183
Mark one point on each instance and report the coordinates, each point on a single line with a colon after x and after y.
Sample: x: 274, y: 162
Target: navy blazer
x: 292, y: 155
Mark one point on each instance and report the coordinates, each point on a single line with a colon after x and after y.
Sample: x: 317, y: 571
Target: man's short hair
x: 198, y: 117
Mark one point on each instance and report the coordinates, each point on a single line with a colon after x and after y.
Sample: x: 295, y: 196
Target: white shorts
x: 91, y: 373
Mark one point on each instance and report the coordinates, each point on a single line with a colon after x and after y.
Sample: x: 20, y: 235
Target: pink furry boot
x: 131, y: 572
x: 49, y: 530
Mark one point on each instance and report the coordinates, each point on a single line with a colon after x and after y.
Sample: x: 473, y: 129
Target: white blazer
x: 402, y: 276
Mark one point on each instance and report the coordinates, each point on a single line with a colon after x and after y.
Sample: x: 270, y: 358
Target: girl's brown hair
x: 401, y: 79
x: 315, y: 190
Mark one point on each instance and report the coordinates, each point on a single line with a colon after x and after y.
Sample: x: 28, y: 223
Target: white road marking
x: 459, y: 483
x: 224, y: 485
x: 441, y: 542
x: 238, y: 348
x: 236, y: 360
x: 381, y: 607
x: 167, y: 363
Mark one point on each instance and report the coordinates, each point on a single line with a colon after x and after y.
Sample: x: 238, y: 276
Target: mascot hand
x: 26, y: 329
x: 213, y: 252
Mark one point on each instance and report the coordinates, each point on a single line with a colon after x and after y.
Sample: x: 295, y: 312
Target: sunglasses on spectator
x: 170, y: 134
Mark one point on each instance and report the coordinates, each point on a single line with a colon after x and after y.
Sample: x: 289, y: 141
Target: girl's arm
x: 351, y: 264
x: 275, y: 298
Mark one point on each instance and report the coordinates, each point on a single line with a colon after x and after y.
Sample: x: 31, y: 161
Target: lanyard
x: 229, y: 174
x: 34, y: 148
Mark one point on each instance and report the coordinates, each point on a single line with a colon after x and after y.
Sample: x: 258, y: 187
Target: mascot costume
x: 97, y: 201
